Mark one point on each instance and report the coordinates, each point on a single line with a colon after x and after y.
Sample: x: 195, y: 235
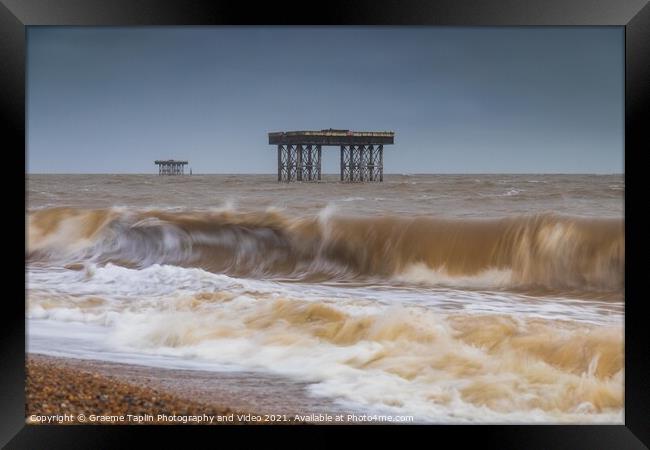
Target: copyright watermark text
x: 207, y: 419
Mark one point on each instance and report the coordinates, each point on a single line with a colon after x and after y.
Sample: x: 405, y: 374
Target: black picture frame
x: 633, y: 15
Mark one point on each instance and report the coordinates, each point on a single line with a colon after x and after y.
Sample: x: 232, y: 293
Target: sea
x: 450, y: 298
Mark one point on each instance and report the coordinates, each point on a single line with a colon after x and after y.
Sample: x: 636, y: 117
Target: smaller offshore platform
x: 362, y: 153
x: 171, y: 167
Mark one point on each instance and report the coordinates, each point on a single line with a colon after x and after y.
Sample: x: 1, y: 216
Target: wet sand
x: 57, y: 386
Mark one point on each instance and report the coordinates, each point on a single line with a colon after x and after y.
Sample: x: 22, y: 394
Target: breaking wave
x: 545, y: 251
x: 453, y: 366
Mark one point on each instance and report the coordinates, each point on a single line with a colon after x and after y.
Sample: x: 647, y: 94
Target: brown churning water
x: 540, y: 251
x: 494, y: 298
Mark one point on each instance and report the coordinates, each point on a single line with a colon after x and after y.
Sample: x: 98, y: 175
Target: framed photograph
x: 412, y: 216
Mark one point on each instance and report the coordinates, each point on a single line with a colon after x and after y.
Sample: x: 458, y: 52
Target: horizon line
x: 331, y: 173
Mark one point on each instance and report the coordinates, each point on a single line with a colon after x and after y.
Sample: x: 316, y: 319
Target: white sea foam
x: 382, y: 311
x: 187, y: 317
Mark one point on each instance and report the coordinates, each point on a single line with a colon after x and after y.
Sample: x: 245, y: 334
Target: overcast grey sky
x: 460, y: 100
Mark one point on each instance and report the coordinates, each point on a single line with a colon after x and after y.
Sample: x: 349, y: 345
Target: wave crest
x: 537, y: 251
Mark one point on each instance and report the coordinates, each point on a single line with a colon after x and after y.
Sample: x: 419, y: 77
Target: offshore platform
x: 171, y: 167
x: 300, y: 153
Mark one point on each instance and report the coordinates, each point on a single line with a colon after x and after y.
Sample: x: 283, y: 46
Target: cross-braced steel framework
x: 362, y: 163
x: 362, y: 153
x: 297, y: 162
x: 170, y: 167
